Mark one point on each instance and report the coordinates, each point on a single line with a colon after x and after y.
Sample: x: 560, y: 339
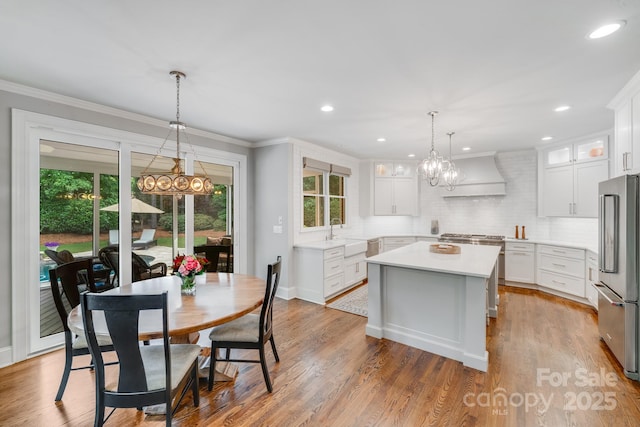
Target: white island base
x: 435, y: 302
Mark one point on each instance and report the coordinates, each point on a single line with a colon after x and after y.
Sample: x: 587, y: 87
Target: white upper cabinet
x: 568, y: 180
x: 626, y: 106
x: 588, y: 150
x: 389, y: 188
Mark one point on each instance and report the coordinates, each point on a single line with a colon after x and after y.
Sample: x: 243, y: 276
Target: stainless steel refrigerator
x: 618, y: 286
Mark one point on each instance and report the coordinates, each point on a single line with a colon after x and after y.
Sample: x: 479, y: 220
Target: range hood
x: 479, y: 176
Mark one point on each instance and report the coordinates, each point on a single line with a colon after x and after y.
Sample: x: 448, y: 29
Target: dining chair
x: 64, y: 282
x: 251, y: 331
x: 213, y: 254
x: 148, y: 375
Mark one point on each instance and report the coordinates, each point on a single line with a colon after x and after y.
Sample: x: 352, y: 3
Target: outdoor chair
x: 148, y: 375
x: 251, y: 331
x: 140, y: 269
x: 100, y: 281
x: 64, y: 282
x: 146, y: 239
x: 219, y: 257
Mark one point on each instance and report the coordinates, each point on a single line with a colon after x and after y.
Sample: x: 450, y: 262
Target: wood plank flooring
x: 542, y: 348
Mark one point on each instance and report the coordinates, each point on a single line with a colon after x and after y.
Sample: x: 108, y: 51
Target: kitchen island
x: 435, y: 302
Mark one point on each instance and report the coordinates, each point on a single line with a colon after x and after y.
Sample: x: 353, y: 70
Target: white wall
x: 491, y: 215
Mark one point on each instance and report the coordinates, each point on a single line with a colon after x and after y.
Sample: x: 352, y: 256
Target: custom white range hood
x: 479, y: 176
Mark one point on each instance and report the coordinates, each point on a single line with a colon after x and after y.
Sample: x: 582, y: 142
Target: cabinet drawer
x: 520, y: 266
x: 333, y: 284
x: 333, y: 266
x: 561, y: 251
x: 334, y: 252
x: 520, y: 246
x: 560, y: 282
x: 399, y: 240
x: 592, y: 259
x: 570, y: 266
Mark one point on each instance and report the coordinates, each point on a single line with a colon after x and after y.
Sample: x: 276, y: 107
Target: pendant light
x: 450, y: 172
x: 431, y: 167
x: 175, y: 182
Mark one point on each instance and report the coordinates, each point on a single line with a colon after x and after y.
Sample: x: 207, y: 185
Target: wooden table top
x: 224, y: 297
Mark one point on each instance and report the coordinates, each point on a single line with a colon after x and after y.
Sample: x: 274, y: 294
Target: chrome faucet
x: 331, y: 224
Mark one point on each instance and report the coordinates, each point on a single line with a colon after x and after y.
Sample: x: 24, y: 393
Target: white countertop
x: 473, y: 260
x: 323, y: 244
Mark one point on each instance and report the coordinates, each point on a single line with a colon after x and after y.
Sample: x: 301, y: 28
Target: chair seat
x: 81, y: 342
x: 244, y: 329
x: 182, y: 356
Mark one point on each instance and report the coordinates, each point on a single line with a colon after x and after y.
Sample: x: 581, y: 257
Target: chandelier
x: 431, y: 167
x: 449, y: 171
x: 176, y: 182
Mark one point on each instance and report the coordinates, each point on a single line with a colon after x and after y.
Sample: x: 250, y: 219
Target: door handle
x: 600, y: 288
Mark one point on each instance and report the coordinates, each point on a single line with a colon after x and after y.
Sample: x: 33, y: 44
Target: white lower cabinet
x: 355, y: 269
x: 391, y: 243
x: 562, y: 269
x: 520, y: 262
x: 321, y: 274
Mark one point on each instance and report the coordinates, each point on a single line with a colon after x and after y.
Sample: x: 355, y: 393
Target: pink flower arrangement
x: 190, y: 266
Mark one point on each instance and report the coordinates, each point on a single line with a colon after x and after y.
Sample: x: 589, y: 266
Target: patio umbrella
x: 137, y: 206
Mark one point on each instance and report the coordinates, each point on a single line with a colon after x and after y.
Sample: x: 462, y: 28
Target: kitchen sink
x: 353, y: 247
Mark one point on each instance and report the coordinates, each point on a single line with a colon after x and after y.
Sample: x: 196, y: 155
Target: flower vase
x: 188, y: 285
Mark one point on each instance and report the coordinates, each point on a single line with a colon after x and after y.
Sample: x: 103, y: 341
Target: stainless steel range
x: 479, y: 239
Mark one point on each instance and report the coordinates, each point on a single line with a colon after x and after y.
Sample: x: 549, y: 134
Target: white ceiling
x: 258, y: 70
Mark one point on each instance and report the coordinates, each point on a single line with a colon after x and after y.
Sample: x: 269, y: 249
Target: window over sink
x: 324, y: 198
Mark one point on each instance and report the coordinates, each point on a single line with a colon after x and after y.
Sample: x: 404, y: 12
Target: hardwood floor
x: 541, y: 349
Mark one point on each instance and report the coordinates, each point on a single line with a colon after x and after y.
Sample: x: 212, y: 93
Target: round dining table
x: 219, y: 298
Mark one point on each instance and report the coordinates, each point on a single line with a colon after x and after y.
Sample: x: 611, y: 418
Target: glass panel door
x: 74, y: 180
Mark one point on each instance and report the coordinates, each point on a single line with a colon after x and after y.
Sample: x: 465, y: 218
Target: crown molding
x: 44, y: 95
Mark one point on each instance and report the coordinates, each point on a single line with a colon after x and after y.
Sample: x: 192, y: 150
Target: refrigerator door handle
x: 602, y: 290
x: 609, y: 219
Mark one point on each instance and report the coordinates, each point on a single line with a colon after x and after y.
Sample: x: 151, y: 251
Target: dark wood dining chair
x: 251, y: 331
x: 66, y: 286
x: 148, y: 375
x: 216, y: 261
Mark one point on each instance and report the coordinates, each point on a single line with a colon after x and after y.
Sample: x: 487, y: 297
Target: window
x: 323, y: 193
x: 313, y: 198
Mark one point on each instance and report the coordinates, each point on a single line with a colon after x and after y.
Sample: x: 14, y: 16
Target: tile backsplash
x: 491, y: 215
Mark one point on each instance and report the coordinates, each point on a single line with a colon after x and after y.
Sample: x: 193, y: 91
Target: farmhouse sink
x: 352, y: 247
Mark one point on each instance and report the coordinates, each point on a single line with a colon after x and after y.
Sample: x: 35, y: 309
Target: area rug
x: 355, y: 302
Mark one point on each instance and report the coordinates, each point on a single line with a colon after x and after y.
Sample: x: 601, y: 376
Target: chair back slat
x: 266, y: 313
x: 66, y: 279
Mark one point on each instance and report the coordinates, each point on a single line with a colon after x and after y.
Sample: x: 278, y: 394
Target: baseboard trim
x: 6, y: 356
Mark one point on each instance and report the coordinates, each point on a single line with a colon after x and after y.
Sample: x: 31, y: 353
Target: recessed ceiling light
x: 606, y: 30
x: 466, y: 148
x: 561, y: 108
x: 547, y: 138
x: 411, y: 155
x: 381, y: 139
x: 327, y: 108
